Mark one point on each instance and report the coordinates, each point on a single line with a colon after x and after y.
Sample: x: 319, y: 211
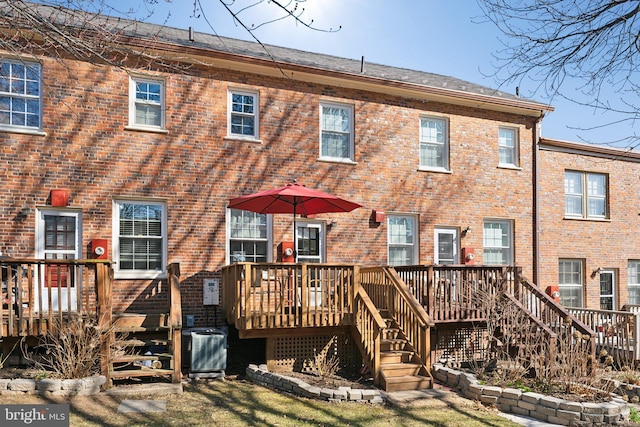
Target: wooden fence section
x: 35, y: 292
x: 389, y: 293
x: 617, y: 332
x: 265, y: 295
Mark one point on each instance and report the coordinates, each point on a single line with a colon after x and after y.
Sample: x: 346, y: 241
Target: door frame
x: 455, y: 231
x: 320, y: 225
x: 614, y: 286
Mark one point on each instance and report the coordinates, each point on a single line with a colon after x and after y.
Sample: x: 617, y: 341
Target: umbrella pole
x: 295, y: 238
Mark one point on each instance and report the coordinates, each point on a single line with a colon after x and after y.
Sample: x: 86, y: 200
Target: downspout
x: 536, y: 199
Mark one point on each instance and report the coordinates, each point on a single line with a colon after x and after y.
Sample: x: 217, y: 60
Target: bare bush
x: 323, y: 365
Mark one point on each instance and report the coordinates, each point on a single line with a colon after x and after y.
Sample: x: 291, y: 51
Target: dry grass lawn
x: 235, y: 402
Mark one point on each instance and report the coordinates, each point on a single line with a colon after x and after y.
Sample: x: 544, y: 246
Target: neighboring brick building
x: 588, y: 215
x: 149, y: 160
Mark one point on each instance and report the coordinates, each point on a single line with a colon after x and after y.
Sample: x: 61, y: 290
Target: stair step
x: 137, y: 357
x: 400, y: 369
x: 393, y: 344
x: 142, y: 343
x: 390, y: 333
x: 396, y: 356
x: 132, y: 329
x: 140, y: 373
x: 140, y: 319
x: 408, y: 382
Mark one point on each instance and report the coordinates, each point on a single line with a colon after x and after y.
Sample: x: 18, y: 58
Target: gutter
x: 537, y: 129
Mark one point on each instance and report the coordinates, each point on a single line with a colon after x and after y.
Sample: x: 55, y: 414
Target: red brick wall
x: 600, y: 244
x: 88, y: 151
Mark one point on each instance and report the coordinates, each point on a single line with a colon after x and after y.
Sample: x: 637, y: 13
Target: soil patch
x: 352, y: 380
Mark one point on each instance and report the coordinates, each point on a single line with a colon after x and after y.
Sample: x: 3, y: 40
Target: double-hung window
x: 634, y: 281
x: 402, y: 240
x: 507, y: 147
x: 434, y: 144
x: 140, y: 238
x: 498, y: 242
x: 248, y: 236
x: 20, y: 95
x: 243, y: 114
x: 585, y: 195
x: 146, y: 103
x: 336, y: 132
x: 570, y: 282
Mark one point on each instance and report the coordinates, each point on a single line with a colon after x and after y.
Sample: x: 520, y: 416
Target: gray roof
x: 285, y: 56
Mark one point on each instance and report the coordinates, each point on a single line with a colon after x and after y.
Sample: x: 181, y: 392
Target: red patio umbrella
x: 292, y: 198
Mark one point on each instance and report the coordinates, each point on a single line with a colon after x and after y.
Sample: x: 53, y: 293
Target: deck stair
x: 400, y: 367
x: 142, y: 346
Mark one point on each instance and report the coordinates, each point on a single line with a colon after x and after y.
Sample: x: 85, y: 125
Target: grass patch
x: 239, y: 403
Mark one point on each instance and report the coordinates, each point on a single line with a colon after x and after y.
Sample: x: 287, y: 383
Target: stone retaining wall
x: 261, y: 375
x: 535, y: 405
x: 80, y: 387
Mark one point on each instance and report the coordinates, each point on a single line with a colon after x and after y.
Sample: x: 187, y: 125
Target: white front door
x: 58, y: 236
x: 445, y: 249
x: 607, y: 290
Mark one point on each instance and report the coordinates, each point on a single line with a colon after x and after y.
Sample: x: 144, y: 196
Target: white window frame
x: 138, y: 274
x: 510, y: 238
x: 134, y: 102
x: 26, y: 97
x: 513, y: 151
x: 350, y: 158
x: 564, y: 285
x: 269, y: 238
x: 255, y: 115
x: 633, y: 277
x: 585, y: 195
x: 309, y: 224
x: 427, y: 141
x: 413, y: 247
x: 40, y: 230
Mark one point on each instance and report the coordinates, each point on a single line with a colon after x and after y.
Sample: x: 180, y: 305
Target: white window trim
x: 575, y: 285
x: 40, y: 214
x: 228, y: 236
x: 416, y: 234
x: 27, y: 129
x: 132, y: 104
x: 510, y: 224
x: 516, y: 148
x: 256, y: 114
x: 585, y: 196
x: 631, y: 283
x: 350, y: 109
x: 115, y: 238
x: 445, y: 144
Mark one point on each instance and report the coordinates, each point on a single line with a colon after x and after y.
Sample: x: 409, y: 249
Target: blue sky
x: 448, y: 37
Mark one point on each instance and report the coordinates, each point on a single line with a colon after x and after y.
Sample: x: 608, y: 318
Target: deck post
x: 175, y: 320
x: 103, y: 278
x: 636, y: 335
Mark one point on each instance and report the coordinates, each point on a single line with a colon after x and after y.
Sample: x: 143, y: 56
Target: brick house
x: 587, y: 196
x: 147, y: 160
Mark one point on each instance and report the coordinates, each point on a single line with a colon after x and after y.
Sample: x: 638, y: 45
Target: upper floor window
x: 585, y: 195
x: 570, y: 282
x: 402, y: 240
x: 139, y: 238
x: 498, y: 242
x: 243, y: 114
x: 434, y: 143
x: 508, y: 147
x: 634, y: 281
x: 146, y: 108
x: 20, y: 95
x: 336, y: 132
x: 248, y: 236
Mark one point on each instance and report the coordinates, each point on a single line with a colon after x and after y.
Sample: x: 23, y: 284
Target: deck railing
x: 615, y: 331
x: 389, y: 293
x: 35, y: 292
x: 266, y: 295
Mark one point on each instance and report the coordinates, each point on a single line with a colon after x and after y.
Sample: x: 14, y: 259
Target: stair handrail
x: 369, y: 324
x: 557, y: 317
x: 392, y: 294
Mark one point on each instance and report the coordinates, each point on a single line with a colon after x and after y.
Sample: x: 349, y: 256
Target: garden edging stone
x: 81, y: 387
x: 535, y: 405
